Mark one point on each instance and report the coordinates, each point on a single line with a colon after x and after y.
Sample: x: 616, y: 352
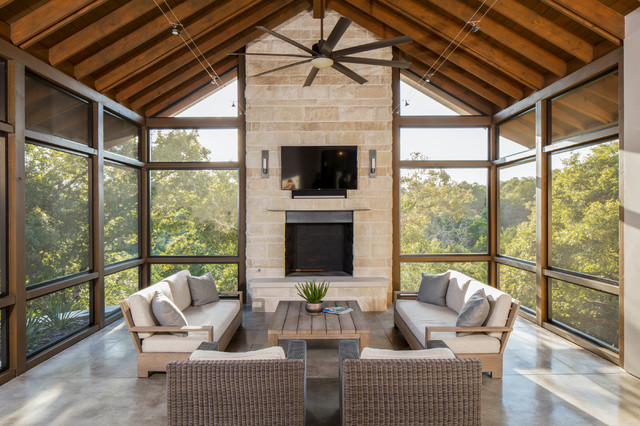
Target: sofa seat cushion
x: 418, y: 316
x: 169, y: 343
x: 180, y: 289
x: 218, y: 314
x: 499, y: 305
x: 140, y: 306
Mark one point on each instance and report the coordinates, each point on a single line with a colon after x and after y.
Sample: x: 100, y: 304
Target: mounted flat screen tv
x: 319, y: 167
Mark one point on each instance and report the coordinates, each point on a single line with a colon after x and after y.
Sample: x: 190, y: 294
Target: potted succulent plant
x: 313, y: 293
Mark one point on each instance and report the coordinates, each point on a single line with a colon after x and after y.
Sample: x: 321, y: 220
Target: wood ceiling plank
x: 185, y: 56
x: 215, y: 18
x: 134, y: 39
x: 480, y: 48
x: 505, y: 35
x: 594, y: 13
x: 546, y: 29
x: 167, y: 85
x: 4, y: 3
x: 98, y: 30
x: 431, y: 44
x: 190, y: 92
x: 46, y: 16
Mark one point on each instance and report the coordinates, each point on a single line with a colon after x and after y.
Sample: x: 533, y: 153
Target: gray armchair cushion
x: 474, y: 312
x: 203, y: 290
x: 433, y: 289
x: 167, y: 313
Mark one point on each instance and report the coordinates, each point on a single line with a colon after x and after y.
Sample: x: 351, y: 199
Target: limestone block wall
x: 333, y: 111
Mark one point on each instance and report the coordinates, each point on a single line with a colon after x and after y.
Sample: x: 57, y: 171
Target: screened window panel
x: 57, y: 213
x: 225, y: 274
x: 118, y: 287
x: 3, y: 214
x: 120, y: 136
x: 56, y: 316
x: 223, y: 102
x: 435, y: 144
x: 518, y: 134
x: 520, y: 284
x: 180, y: 145
x: 588, y: 108
x: 411, y: 272
x: 589, y: 311
x: 121, y: 213
x: 53, y: 111
x: 3, y: 90
x: 518, y: 211
x: 4, y: 340
x: 194, y: 212
x: 585, y: 210
x: 443, y: 211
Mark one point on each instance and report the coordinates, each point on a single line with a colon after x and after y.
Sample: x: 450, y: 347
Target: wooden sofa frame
x: 490, y: 362
x: 157, y: 361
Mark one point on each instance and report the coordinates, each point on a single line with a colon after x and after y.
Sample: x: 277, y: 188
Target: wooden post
x: 543, y: 212
x: 97, y: 211
x: 242, y: 179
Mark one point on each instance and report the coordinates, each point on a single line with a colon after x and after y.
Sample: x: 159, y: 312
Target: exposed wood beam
x: 98, y: 30
x: 482, y: 49
x: 168, y: 84
x: 214, y: 18
x: 426, y: 44
x: 594, y: 15
x: 505, y: 35
x: 318, y: 9
x: 54, y: 13
x: 546, y: 29
x: 184, y: 56
x: 4, y: 3
x: 191, y: 91
x: 465, y: 80
x: 129, y: 42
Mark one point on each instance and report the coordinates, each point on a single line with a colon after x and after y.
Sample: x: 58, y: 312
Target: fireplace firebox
x: 319, y: 243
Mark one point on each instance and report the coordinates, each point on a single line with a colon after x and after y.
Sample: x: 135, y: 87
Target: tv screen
x: 319, y: 167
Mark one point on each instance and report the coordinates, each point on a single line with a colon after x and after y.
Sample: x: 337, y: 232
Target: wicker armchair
x: 239, y: 392
x: 408, y: 391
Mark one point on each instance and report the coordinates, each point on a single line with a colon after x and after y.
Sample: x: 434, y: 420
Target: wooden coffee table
x: 291, y: 321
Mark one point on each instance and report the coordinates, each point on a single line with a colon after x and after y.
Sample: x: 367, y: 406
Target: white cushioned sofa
x: 419, y: 321
x: 155, y: 345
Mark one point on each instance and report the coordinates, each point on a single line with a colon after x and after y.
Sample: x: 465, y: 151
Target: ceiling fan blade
x: 287, y: 39
x: 371, y: 61
x: 311, y: 76
x: 346, y: 71
x: 288, y: 55
x: 283, y: 67
x: 335, y: 36
x: 371, y: 46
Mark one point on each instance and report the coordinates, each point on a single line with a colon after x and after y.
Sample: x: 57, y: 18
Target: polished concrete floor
x: 547, y: 381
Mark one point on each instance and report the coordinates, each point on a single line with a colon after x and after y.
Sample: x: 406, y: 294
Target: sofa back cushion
x: 180, y: 289
x: 436, y: 353
x: 458, y: 283
x: 499, y: 305
x: 140, y: 306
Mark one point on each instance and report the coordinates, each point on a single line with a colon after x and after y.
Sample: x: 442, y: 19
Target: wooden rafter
x: 594, y: 15
x: 318, y: 9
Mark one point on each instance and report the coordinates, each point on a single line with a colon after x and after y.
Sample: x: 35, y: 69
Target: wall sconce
x: 265, y: 164
x: 372, y: 163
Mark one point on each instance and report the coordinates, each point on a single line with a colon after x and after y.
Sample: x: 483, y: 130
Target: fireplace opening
x: 319, y: 243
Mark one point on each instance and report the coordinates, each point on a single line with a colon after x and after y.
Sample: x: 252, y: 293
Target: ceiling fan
x: 321, y: 55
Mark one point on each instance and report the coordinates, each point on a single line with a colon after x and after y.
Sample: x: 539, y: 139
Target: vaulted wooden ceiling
x: 125, y: 50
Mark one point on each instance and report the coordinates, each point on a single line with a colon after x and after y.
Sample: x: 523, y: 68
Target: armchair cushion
x: 433, y: 288
x: 167, y: 313
x: 203, y: 290
x: 274, y: 352
x: 437, y: 353
x: 474, y: 312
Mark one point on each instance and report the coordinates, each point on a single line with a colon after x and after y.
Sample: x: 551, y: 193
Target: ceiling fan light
x: 322, y: 62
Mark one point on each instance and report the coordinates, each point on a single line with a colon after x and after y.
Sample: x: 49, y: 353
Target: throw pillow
x: 433, y: 289
x: 167, y: 313
x: 437, y: 353
x: 474, y: 312
x: 203, y: 290
x: 274, y: 352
